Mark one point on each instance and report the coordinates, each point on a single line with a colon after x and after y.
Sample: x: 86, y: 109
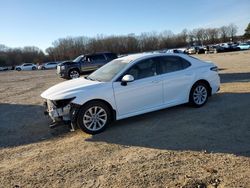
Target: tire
x: 18, y: 69
x: 43, y: 68
x: 198, y: 95
x: 73, y: 73
x: 94, y: 117
x: 33, y: 68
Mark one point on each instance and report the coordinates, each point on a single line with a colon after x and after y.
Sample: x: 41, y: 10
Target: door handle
x: 156, y: 81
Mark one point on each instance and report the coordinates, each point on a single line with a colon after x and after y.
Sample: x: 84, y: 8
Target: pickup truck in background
x: 84, y: 63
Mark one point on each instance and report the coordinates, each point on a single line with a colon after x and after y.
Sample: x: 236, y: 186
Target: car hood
x: 66, y: 63
x: 68, y: 89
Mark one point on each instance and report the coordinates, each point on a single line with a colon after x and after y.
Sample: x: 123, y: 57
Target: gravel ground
x: 175, y: 147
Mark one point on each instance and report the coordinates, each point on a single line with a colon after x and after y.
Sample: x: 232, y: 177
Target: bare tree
x: 213, y: 35
x: 224, y: 33
x: 232, y: 28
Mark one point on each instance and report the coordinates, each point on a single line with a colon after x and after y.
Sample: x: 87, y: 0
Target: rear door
x: 99, y: 60
x: 27, y: 66
x: 93, y: 62
x: 177, y: 78
x: 110, y: 56
x: 51, y: 65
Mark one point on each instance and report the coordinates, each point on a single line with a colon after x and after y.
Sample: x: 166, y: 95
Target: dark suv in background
x: 84, y: 63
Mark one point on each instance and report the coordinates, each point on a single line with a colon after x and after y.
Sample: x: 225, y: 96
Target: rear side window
x: 98, y: 57
x: 111, y: 56
x: 28, y: 64
x: 172, y: 63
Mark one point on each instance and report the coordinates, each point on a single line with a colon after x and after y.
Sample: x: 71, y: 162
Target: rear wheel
x: 94, y: 117
x: 74, y: 73
x: 198, y: 95
x: 33, y: 68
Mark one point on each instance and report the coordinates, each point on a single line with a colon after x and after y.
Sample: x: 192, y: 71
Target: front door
x: 144, y: 93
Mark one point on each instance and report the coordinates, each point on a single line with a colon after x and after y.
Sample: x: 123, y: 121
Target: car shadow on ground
x: 24, y: 124
x: 221, y: 126
x: 234, y: 77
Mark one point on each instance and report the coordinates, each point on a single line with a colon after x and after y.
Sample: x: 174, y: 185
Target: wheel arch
x: 204, y: 82
x: 73, y: 68
x: 70, y: 69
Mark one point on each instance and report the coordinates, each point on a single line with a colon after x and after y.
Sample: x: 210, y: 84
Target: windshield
x: 78, y: 59
x: 107, y: 72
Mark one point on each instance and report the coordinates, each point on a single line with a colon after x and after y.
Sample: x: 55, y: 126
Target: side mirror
x: 127, y: 78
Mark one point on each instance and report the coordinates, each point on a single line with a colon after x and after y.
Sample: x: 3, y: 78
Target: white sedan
x: 49, y: 65
x: 129, y: 86
x: 26, y: 66
x: 244, y: 46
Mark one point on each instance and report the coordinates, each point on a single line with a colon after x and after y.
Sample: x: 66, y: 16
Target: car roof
x: 139, y: 56
x: 98, y: 53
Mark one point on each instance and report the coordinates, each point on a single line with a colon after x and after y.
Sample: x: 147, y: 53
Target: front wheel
x: 94, y: 117
x: 33, y: 68
x: 198, y: 95
x: 74, y: 73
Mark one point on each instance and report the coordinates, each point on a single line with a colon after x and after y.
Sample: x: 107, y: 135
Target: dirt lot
x: 176, y: 147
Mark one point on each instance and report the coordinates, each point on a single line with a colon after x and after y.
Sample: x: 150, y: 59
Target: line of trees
x: 16, y: 56
x: 71, y: 47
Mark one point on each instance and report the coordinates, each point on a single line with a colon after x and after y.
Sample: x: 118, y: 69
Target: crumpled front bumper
x: 57, y: 114
x: 61, y: 116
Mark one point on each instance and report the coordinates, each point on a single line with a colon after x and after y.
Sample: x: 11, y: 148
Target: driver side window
x: 145, y: 68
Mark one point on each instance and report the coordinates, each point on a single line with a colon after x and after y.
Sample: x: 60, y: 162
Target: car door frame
x: 176, y: 84
x: 152, y: 81
x: 28, y: 67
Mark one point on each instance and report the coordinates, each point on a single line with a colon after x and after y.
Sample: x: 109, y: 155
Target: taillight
x: 214, y: 69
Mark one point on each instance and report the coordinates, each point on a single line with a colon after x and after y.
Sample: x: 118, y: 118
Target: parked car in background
x: 231, y: 47
x: 196, y: 50
x: 49, y: 65
x: 83, y: 63
x: 244, y: 46
x: 3, y: 68
x: 26, y: 66
x: 225, y: 47
x: 178, y: 51
x: 129, y: 86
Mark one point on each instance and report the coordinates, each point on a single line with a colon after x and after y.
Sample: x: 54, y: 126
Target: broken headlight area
x: 58, y: 109
x: 62, y: 103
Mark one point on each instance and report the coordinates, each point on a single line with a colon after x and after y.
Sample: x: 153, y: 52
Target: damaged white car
x: 130, y: 86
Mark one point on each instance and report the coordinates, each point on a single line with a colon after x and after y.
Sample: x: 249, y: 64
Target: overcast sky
x: 40, y: 22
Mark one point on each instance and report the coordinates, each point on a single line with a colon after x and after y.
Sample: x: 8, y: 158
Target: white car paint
x: 140, y: 96
x: 244, y: 46
x: 26, y: 66
x: 49, y: 65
